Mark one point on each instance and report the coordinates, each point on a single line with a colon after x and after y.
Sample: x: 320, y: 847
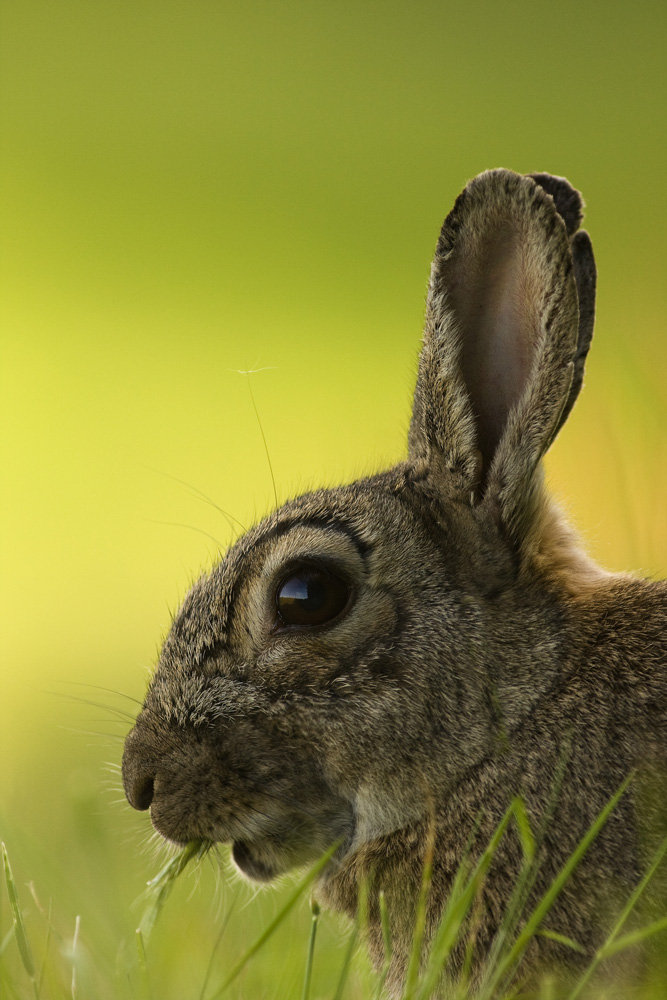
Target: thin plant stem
x: 143, y: 963
x: 386, y: 940
x: 308, y: 879
x: 75, y: 944
x: 42, y: 971
x: 349, y: 952
x: 315, y: 911
x: 218, y: 941
x: 412, y: 977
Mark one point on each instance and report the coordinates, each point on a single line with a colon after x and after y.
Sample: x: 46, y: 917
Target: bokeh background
x: 193, y: 189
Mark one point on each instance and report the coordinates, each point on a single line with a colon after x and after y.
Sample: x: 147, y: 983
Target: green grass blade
x: 349, y: 952
x: 412, y: 977
x: 360, y: 924
x: 562, y: 939
x: 461, y: 898
x: 218, y: 942
x: 19, y: 927
x: 42, y: 971
x: 75, y: 943
x: 6, y: 939
x: 307, y: 880
x: 611, y: 945
x: 315, y: 910
x: 526, y: 834
x: 386, y: 940
x: 384, y: 923
x: 531, y: 844
x: 506, y: 965
x: 160, y: 886
x: 143, y: 963
x: 635, y: 937
x: 447, y: 932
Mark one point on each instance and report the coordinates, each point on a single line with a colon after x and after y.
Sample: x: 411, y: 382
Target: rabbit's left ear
x: 509, y: 319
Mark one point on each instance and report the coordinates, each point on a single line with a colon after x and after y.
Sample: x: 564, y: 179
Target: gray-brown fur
x: 481, y: 653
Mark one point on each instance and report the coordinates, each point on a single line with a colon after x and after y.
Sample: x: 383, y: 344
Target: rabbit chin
x: 265, y: 860
x: 259, y: 862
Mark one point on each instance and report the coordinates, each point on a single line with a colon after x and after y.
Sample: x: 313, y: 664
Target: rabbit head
x: 358, y: 654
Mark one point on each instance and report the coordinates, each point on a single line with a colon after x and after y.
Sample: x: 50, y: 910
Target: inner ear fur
x: 503, y: 353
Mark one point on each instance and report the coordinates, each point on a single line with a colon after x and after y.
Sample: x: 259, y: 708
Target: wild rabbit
x: 396, y: 659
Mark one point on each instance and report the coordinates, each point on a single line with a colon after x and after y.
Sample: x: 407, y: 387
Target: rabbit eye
x: 310, y: 596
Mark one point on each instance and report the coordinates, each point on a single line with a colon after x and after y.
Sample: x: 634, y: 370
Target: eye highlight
x: 310, y: 596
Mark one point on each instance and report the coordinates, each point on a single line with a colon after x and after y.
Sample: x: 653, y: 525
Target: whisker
x: 202, y: 496
x: 76, y: 731
x: 261, y: 429
x: 98, y: 687
x: 121, y: 716
x: 190, y: 527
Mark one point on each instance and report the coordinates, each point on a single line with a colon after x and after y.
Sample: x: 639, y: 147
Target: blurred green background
x: 189, y: 189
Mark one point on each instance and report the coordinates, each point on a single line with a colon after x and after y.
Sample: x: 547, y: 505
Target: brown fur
x: 481, y: 654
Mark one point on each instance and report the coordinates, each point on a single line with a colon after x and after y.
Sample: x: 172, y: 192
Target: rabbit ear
x: 504, y: 348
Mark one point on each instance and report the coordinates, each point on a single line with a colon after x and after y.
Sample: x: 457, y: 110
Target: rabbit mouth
x: 264, y: 858
x: 270, y: 832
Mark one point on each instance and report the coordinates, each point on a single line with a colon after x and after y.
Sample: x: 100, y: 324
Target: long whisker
x: 120, y: 715
x: 202, y: 496
x: 190, y: 527
x: 261, y: 429
x: 98, y: 687
x: 107, y: 737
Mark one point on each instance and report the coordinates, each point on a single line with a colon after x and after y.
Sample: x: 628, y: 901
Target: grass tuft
x: 19, y: 927
x: 148, y: 966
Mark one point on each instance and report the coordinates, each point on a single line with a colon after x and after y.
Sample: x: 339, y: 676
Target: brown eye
x: 310, y: 596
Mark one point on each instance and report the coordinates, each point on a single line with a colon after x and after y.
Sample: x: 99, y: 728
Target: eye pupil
x: 310, y: 596
x: 307, y: 590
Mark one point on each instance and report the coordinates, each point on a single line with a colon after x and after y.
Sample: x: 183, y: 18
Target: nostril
x: 138, y: 771
x: 138, y: 782
x: 142, y: 793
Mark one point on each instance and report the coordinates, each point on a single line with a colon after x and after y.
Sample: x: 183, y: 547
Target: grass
x: 278, y: 944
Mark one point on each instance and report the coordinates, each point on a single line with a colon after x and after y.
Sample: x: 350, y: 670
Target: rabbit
x: 386, y: 664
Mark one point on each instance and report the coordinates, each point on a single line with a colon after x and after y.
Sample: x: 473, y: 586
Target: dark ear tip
x: 584, y: 269
x: 568, y: 200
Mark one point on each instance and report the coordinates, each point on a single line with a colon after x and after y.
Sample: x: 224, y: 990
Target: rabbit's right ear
x: 509, y: 319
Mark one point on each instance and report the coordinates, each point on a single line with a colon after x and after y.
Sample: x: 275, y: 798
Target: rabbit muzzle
x: 233, y: 781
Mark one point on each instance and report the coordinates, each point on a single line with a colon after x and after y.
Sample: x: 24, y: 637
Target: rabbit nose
x: 139, y: 792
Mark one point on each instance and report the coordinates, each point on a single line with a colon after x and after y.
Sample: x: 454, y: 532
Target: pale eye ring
x: 310, y: 596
